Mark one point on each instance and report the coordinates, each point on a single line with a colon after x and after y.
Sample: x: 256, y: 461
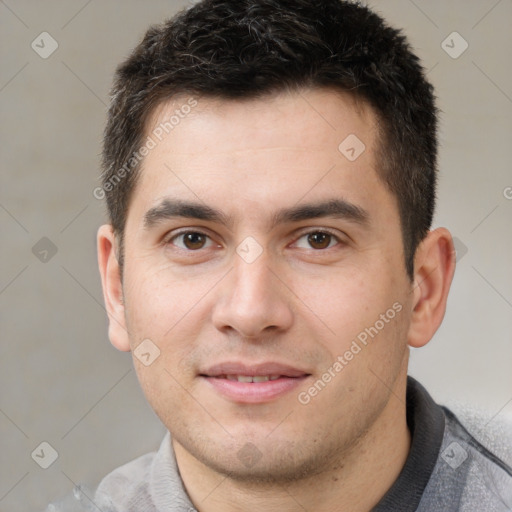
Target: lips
x: 256, y: 383
x: 269, y: 369
x: 249, y: 378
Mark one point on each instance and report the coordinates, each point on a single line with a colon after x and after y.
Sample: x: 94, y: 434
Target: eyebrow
x: 336, y: 208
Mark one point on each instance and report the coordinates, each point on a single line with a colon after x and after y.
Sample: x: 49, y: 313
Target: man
x: 270, y: 172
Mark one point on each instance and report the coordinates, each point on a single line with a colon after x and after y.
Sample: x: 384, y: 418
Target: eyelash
x: 324, y: 231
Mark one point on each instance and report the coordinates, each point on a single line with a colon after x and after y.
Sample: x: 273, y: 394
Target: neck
x: 355, y: 483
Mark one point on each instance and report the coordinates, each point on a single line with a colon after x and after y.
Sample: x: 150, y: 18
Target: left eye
x: 191, y: 240
x: 316, y: 240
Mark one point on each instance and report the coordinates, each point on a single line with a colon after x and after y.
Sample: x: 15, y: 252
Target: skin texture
x: 294, y: 304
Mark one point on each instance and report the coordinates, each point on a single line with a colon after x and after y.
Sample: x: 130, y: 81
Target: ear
x: 112, y: 288
x: 434, y: 266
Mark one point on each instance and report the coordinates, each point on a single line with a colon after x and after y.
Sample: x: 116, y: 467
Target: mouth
x: 249, y: 378
x: 257, y: 383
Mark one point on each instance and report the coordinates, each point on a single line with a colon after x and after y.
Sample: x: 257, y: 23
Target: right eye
x: 191, y: 240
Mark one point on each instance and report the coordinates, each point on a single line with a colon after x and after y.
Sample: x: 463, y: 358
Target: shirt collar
x: 426, y: 422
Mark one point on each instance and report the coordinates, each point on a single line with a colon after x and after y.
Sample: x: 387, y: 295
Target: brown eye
x: 319, y: 240
x: 194, y: 240
x: 191, y: 240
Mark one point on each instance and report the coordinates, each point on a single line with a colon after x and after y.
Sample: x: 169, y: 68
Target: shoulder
x: 490, y: 430
x: 150, y: 483
x: 120, y: 491
x: 489, y: 445
x: 474, y: 464
x: 126, y: 486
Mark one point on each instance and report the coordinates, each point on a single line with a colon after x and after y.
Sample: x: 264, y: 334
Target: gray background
x: 61, y: 381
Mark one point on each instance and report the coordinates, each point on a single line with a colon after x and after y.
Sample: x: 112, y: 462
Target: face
x: 265, y: 263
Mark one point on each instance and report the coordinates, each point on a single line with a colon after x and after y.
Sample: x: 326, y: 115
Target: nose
x: 252, y: 301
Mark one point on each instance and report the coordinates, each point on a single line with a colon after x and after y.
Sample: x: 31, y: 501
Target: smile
x: 249, y: 378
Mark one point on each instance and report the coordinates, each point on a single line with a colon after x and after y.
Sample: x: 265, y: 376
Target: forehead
x: 321, y: 112
x: 252, y: 156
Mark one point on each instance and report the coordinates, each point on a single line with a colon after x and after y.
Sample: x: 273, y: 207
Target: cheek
x: 364, y: 304
x: 165, y: 311
x: 152, y: 303
x: 343, y: 297
x: 166, y: 308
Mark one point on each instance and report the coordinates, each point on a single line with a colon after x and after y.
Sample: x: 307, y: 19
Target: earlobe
x: 112, y: 287
x: 434, y: 266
